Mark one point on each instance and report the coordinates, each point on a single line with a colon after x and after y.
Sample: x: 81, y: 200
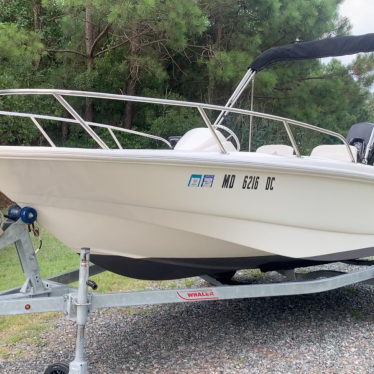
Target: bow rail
x: 59, y: 95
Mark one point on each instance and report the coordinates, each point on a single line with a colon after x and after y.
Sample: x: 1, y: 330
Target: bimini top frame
x: 60, y: 94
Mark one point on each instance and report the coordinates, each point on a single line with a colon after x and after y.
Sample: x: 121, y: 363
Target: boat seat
x: 276, y: 149
x: 334, y: 152
x: 201, y: 139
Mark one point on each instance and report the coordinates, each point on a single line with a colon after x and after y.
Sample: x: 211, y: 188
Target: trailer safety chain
x: 36, y: 232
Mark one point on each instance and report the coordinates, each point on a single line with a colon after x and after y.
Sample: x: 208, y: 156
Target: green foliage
x: 18, y: 46
x: 165, y: 120
x: 18, y: 12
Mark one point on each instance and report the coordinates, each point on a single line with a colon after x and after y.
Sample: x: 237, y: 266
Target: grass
x: 356, y: 314
x: 253, y: 274
x: 53, y: 258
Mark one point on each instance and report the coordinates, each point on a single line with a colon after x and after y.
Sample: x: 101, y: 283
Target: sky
x: 361, y: 16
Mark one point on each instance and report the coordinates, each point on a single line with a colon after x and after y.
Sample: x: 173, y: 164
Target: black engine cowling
x: 359, y: 136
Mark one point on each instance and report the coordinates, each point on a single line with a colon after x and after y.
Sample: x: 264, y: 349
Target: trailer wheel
x: 224, y: 277
x: 60, y: 368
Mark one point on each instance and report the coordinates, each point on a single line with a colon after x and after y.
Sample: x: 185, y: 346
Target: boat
x: 201, y: 206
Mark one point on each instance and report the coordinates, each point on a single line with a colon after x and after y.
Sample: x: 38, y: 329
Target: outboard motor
x: 361, y: 136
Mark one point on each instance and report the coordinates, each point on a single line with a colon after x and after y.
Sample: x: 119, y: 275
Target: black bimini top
x: 331, y: 47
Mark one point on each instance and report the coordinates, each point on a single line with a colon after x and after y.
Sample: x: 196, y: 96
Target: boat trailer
x: 54, y: 294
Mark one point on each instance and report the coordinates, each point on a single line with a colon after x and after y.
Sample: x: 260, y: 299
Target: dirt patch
x: 5, y: 202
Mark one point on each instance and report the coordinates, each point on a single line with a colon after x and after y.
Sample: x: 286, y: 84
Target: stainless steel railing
x: 58, y: 94
x: 94, y: 124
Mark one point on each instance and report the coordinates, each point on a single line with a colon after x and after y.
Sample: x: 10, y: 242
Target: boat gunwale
x: 189, y: 158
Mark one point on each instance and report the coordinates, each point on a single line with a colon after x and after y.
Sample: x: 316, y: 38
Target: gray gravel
x: 332, y: 332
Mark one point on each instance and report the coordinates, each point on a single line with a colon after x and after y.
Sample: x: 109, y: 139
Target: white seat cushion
x: 201, y: 139
x: 335, y: 152
x: 276, y: 149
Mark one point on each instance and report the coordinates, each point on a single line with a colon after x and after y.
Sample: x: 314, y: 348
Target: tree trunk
x: 132, y: 70
x: 211, y: 89
x: 36, y: 9
x: 89, y: 33
x: 132, y: 76
x: 65, y: 128
x: 218, y: 31
x: 64, y: 132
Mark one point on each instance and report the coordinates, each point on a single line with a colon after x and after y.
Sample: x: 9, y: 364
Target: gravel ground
x: 332, y: 332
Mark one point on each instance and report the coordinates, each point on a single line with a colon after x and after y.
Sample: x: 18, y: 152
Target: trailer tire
x: 59, y: 368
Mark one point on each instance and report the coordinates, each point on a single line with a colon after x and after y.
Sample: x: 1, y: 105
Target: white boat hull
x: 141, y: 206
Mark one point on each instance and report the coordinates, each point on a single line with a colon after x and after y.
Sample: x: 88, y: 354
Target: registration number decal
x: 250, y: 182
